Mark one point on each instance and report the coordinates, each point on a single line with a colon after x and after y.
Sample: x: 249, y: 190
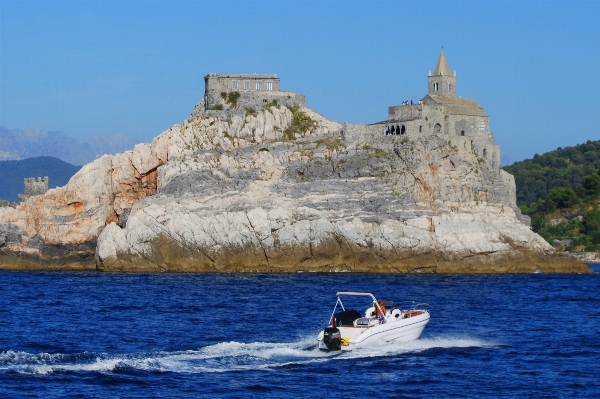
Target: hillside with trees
x: 560, y: 190
x: 563, y: 168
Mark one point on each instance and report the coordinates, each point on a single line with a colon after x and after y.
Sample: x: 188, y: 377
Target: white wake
x: 221, y: 357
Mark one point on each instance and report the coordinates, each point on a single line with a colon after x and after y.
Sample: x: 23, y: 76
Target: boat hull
x: 399, y: 330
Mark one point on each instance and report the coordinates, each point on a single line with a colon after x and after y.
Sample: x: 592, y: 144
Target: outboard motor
x: 332, y: 338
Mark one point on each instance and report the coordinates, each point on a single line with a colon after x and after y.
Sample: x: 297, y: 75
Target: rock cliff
x: 280, y: 189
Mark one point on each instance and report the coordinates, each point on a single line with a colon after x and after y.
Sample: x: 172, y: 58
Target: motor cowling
x: 332, y: 338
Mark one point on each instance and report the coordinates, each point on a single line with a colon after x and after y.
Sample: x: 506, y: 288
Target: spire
x: 442, y: 68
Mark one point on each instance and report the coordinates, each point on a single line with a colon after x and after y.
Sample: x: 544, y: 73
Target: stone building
x: 254, y: 89
x: 34, y: 186
x: 440, y: 112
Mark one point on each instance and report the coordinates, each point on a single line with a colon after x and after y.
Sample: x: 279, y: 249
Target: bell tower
x: 442, y: 83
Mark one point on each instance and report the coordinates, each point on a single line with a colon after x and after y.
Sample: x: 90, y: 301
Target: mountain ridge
x: 20, y: 144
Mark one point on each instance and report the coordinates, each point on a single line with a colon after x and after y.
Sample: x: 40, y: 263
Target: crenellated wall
x: 34, y: 186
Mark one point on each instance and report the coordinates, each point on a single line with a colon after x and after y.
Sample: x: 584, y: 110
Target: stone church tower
x: 442, y: 83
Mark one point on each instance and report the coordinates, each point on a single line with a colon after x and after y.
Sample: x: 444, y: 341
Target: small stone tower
x: 442, y: 83
x: 34, y: 186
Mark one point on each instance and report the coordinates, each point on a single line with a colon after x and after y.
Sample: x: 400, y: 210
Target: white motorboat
x: 383, y: 321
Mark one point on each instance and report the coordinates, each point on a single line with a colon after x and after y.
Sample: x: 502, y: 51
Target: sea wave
x: 221, y: 357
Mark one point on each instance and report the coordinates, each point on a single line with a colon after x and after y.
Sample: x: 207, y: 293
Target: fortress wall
x: 363, y: 134
x: 33, y: 186
x: 224, y: 82
x: 405, y: 112
x: 473, y: 126
x: 434, y: 114
x: 485, y: 149
x: 256, y: 99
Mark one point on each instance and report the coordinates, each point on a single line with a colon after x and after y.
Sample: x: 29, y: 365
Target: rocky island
x: 256, y: 181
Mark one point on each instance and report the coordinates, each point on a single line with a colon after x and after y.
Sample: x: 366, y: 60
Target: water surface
x: 97, y: 335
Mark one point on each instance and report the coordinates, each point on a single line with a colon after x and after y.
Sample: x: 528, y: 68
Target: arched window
x: 420, y: 129
x: 387, y: 130
x: 462, y: 132
x: 393, y: 130
x: 397, y: 129
x: 435, y: 87
x: 484, y: 153
x: 403, y: 130
x: 437, y: 128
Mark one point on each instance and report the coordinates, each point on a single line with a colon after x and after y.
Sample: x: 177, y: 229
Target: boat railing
x: 411, y: 305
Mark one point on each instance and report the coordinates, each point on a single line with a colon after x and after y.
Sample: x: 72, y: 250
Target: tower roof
x: 442, y: 67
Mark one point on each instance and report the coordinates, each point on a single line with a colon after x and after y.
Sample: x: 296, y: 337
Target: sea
x: 104, y: 335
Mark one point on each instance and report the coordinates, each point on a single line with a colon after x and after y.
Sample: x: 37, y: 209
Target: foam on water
x: 221, y: 357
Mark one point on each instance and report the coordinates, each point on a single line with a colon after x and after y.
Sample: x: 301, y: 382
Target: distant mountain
x: 21, y: 144
x: 12, y: 174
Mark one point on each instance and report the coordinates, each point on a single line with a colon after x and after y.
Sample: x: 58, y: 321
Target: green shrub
x: 233, y: 97
x: 301, y: 122
x: 268, y: 105
x: 263, y: 149
x: 218, y: 107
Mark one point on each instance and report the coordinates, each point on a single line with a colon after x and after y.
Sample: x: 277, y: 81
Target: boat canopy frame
x: 352, y: 293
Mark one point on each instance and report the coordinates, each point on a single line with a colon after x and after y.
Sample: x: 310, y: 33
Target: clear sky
x: 136, y: 67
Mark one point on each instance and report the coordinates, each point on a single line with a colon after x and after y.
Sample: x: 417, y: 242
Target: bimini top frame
x: 356, y: 294
x: 351, y: 293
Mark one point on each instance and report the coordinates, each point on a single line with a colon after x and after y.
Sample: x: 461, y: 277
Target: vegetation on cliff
x: 560, y: 190
x: 563, y: 168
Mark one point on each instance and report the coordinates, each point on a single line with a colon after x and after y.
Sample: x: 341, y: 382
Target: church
x: 440, y: 113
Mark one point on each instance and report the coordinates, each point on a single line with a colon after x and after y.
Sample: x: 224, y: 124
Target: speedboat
x: 383, y: 321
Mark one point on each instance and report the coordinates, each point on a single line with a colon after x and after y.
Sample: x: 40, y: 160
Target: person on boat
x: 380, y: 311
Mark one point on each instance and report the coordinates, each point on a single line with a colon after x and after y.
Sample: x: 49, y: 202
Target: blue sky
x: 136, y: 68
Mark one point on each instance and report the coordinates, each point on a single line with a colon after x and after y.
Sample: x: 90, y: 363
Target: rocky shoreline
x: 516, y: 263
x: 254, y: 193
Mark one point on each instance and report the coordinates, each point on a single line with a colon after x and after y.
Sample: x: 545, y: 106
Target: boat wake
x: 221, y: 357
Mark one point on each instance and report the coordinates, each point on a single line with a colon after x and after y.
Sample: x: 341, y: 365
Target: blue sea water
x: 99, y: 335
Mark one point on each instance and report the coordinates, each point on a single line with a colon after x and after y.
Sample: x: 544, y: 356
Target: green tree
x: 563, y: 197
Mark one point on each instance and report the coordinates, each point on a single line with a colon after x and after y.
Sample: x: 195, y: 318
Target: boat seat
x: 346, y: 317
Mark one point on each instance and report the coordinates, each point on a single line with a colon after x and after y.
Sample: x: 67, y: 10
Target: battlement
x: 34, y: 186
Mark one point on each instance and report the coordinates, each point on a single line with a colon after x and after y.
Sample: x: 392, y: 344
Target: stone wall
x: 245, y: 82
x: 254, y: 100
x: 34, y: 186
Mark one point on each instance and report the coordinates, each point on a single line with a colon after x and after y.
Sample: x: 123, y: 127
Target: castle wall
x: 34, y: 186
x: 405, y: 112
x: 215, y: 84
x: 226, y: 82
x: 420, y: 118
x: 472, y: 126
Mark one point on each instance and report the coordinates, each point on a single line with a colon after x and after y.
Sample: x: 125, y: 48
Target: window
x: 435, y: 87
x: 420, y: 129
x: 448, y: 86
x: 246, y: 85
x: 462, y: 132
x: 269, y: 85
x: 257, y: 85
x: 234, y: 85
